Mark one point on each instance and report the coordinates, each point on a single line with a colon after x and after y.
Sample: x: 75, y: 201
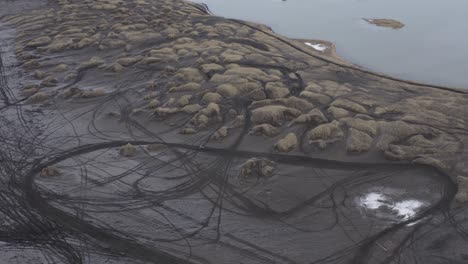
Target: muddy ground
x: 152, y: 132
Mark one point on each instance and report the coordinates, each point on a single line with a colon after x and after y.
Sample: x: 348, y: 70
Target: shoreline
x: 325, y: 47
x: 336, y: 58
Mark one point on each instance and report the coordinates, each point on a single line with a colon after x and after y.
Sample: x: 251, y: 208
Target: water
x: 432, y: 47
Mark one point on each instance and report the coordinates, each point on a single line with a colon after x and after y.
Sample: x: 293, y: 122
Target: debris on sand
x: 127, y: 150
x: 50, y: 171
x: 384, y: 22
x: 257, y: 167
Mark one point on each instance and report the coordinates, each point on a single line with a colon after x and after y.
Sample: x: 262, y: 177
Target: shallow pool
x: 432, y: 47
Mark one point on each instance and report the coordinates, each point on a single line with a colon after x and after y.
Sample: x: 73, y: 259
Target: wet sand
x: 153, y: 132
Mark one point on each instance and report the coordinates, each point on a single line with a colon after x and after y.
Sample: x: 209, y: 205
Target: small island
x: 384, y: 22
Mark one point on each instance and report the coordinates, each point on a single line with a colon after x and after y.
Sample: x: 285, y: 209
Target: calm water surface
x: 432, y: 47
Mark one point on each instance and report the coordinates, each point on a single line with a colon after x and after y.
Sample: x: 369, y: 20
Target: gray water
x: 432, y: 47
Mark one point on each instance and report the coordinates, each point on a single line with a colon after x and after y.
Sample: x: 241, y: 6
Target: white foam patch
x: 319, y: 47
x: 373, y: 200
x: 405, y: 209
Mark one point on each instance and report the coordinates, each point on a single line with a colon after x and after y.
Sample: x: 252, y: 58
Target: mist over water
x: 432, y: 47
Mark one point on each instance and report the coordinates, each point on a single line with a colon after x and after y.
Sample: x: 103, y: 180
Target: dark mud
x: 114, y: 177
